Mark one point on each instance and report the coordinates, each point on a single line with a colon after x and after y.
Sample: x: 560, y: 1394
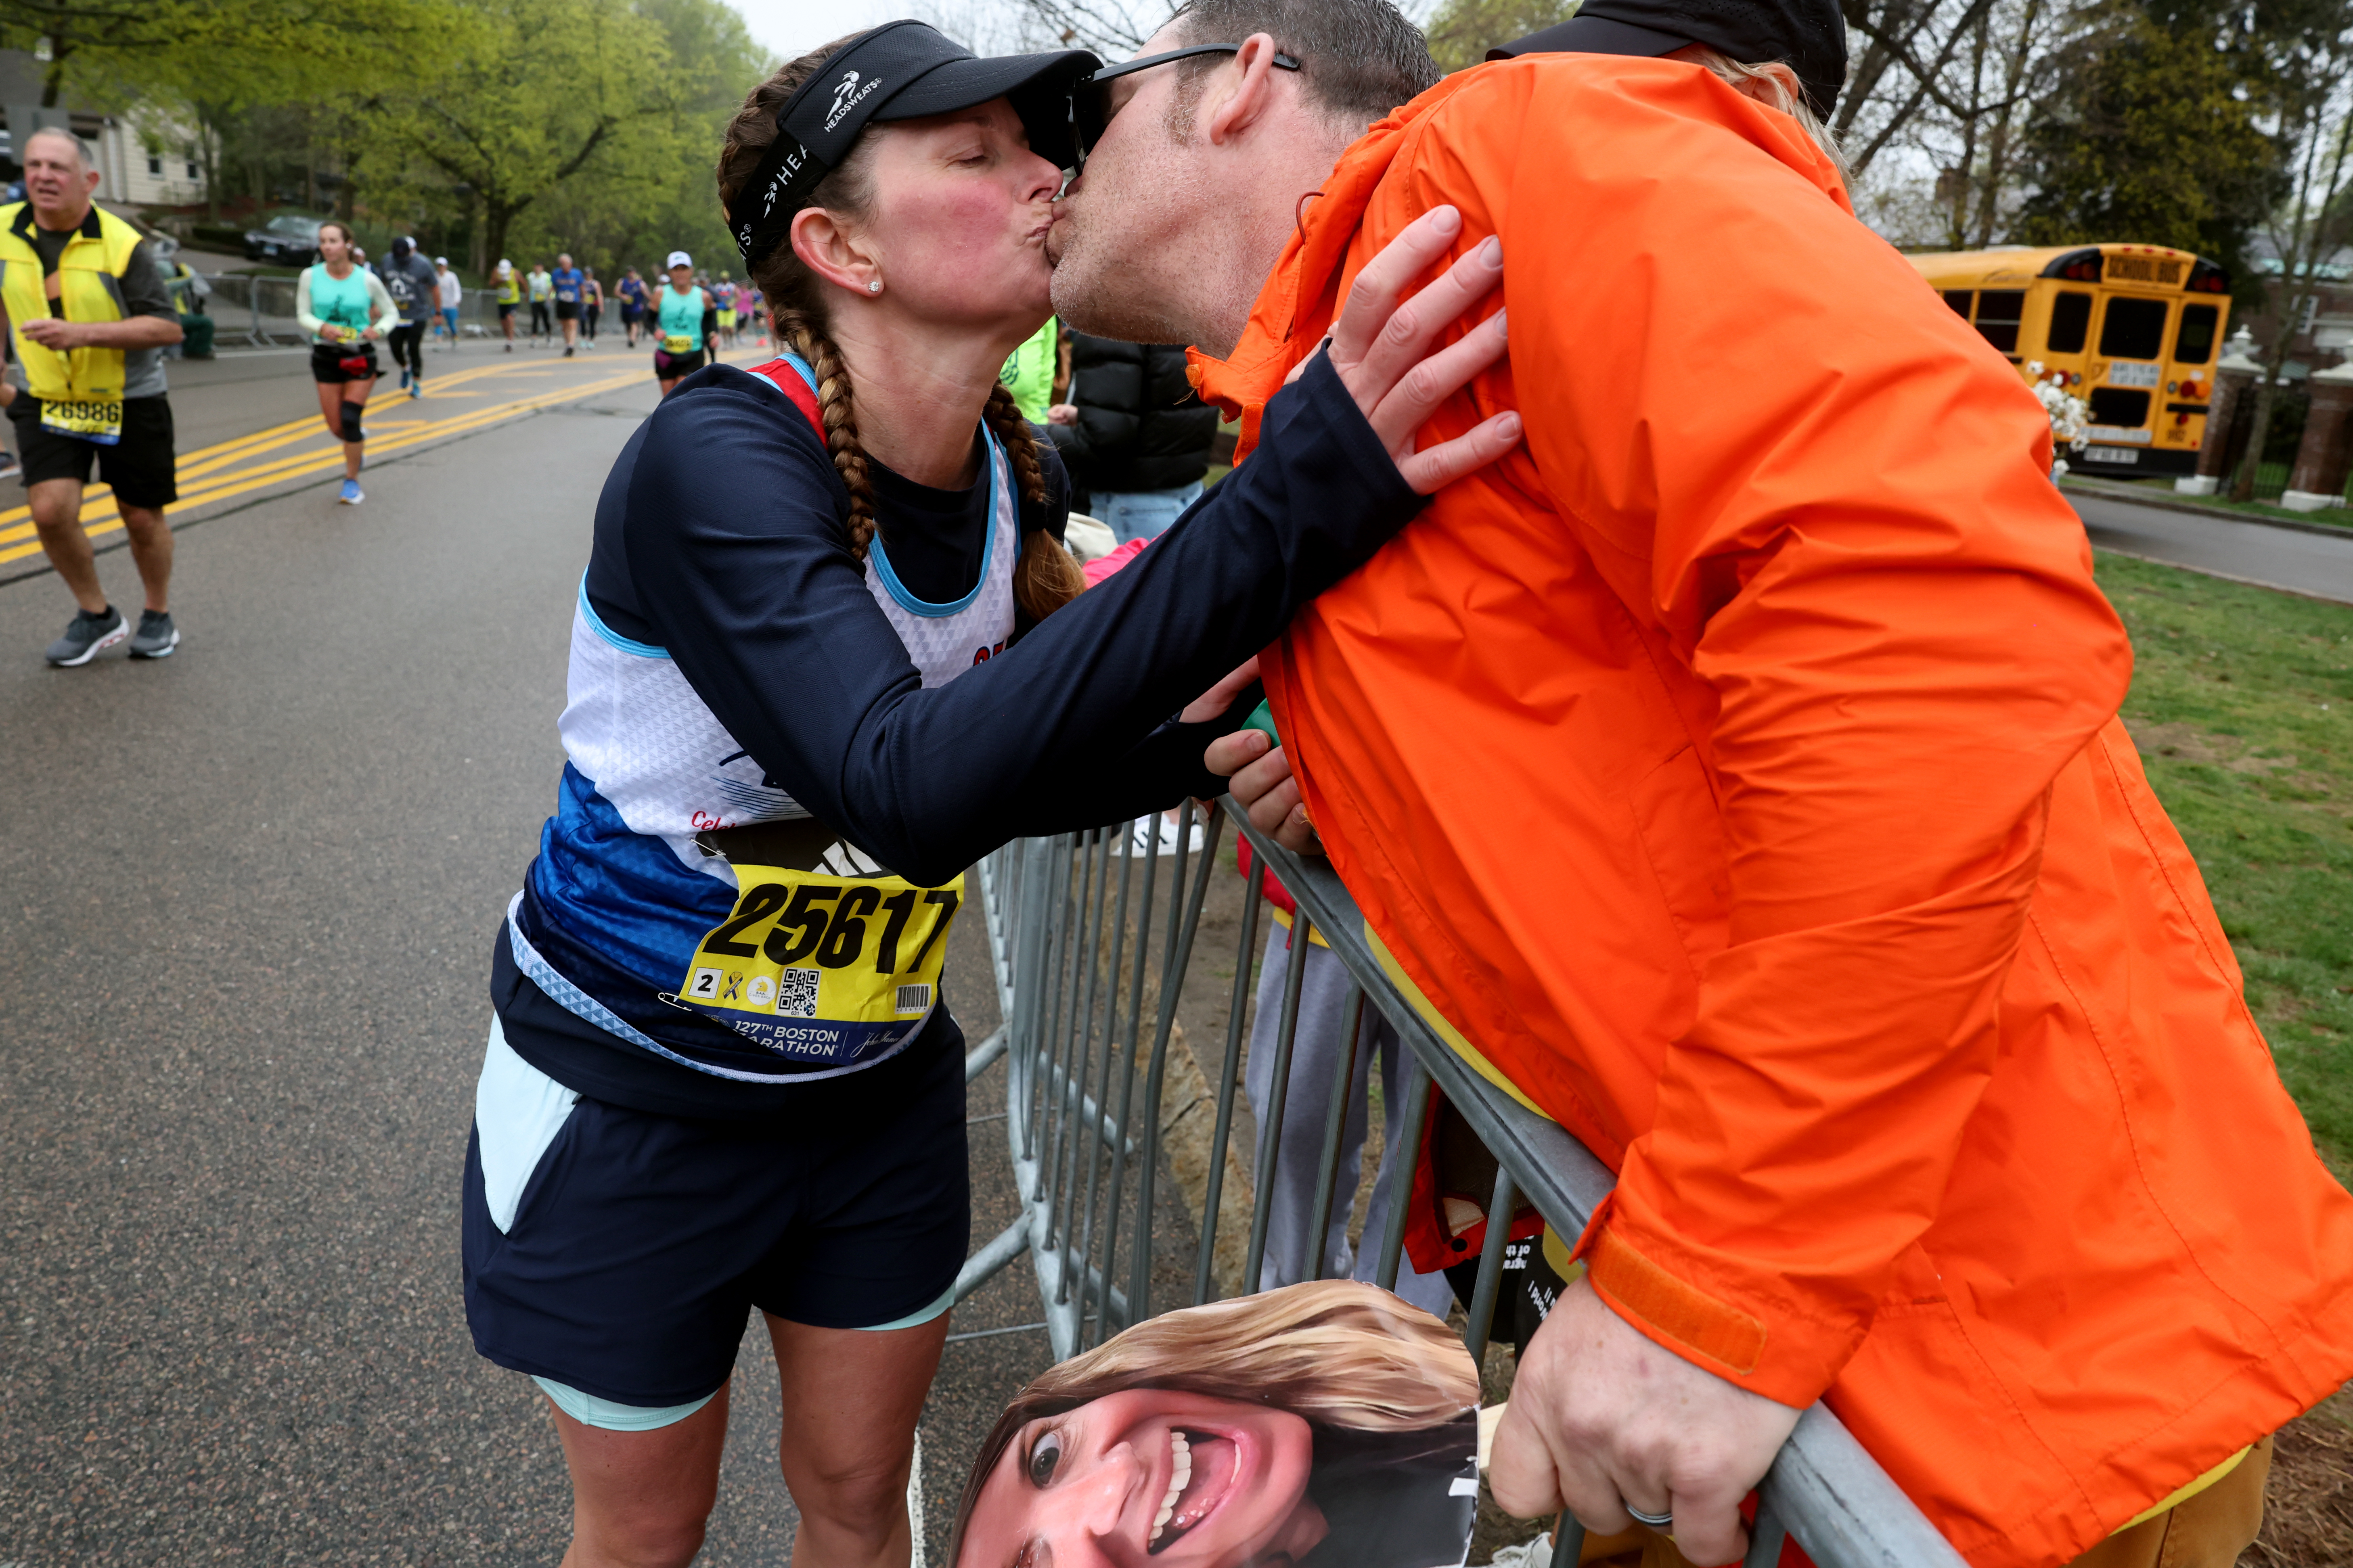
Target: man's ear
x: 830, y: 251
x: 1251, y: 90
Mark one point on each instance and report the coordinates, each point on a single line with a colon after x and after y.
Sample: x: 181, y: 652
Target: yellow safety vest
x: 80, y: 389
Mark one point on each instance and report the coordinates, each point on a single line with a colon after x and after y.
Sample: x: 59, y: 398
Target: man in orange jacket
x: 1737, y: 769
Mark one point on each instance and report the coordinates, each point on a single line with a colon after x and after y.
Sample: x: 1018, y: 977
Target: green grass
x: 2242, y: 706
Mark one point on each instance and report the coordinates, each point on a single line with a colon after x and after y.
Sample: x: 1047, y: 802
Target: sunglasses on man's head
x: 1091, y: 109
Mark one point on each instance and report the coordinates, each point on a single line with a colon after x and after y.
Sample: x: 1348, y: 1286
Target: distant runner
x: 632, y: 290
x: 90, y: 317
x: 451, y: 291
x: 678, y: 324
x: 592, y: 304
x: 509, y: 296
x: 724, y: 296
x: 543, y: 292
x: 344, y: 309
x: 566, y: 283
x: 415, y: 289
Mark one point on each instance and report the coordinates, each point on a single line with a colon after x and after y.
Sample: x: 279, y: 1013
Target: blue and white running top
x: 669, y: 908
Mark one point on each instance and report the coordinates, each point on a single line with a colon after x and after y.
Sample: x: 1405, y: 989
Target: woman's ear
x: 832, y: 251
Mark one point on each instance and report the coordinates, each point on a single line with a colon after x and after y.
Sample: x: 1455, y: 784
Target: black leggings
x: 408, y: 341
x: 541, y: 323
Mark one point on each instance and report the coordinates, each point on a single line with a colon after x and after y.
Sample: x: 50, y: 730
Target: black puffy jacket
x: 1140, y: 427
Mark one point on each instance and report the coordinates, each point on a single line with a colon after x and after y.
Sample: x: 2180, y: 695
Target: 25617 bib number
x: 827, y: 969
x: 98, y: 419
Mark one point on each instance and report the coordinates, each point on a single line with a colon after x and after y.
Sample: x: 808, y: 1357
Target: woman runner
x: 592, y: 304
x: 345, y: 309
x: 678, y: 311
x: 719, y: 1077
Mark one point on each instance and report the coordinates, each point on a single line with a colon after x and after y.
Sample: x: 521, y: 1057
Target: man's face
x: 564, y: 262
x: 1126, y: 241
x: 56, y: 182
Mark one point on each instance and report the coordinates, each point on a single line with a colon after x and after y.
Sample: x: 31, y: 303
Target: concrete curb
x: 2107, y: 489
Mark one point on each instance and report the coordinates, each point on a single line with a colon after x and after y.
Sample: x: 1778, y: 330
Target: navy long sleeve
x: 724, y: 513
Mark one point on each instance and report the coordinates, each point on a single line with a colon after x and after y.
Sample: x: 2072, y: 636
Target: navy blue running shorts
x: 619, y: 1252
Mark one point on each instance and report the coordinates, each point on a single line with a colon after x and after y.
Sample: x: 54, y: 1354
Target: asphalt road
x: 245, y: 902
x: 2318, y: 564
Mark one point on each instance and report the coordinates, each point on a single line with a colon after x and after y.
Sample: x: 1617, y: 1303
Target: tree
x: 1460, y: 31
x: 2154, y: 135
x: 173, y: 42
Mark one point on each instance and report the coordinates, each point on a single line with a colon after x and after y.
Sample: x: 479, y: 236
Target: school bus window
x: 2115, y: 406
x: 1960, y: 300
x: 2133, y: 328
x: 1998, y: 311
x: 2071, y: 323
x: 2195, y: 339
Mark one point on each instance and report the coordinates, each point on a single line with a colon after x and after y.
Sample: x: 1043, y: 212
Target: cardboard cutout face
x: 1318, y: 1425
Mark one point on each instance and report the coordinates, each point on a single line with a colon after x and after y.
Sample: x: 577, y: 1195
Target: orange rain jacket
x: 1738, y: 768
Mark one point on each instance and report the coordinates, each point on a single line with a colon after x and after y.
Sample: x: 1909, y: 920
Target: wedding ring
x: 1656, y: 1520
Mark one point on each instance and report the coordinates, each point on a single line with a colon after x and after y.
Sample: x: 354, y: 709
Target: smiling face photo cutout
x: 1318, y: 1425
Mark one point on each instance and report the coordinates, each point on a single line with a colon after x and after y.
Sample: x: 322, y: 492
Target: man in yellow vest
x: 90, y: 315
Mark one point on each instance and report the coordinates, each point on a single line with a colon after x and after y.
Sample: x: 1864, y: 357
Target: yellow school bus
x: 2135, y: 329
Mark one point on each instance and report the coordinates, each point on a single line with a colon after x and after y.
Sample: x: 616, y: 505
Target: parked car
x: 289, y: 237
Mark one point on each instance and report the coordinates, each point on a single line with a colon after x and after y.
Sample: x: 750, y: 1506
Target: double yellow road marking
x: 232, y: 468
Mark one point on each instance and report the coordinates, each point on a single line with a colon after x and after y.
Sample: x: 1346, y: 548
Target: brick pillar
x: 2234, y: 381
x: 2318, y: 478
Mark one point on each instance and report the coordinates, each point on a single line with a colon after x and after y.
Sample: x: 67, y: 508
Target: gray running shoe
x: 156, y: 636
x: 85, y: 636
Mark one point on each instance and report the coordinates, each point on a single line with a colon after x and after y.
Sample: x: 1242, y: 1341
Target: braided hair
x: 1046, y: 578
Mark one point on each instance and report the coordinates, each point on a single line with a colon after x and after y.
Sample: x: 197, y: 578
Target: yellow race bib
x: 679, y: 343
x: 827, y: 969
x: 97, y: 419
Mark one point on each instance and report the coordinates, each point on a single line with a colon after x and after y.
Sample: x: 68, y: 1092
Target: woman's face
x: 958, y: 227
x: 334, y: 245
x: 681, y: 279
x: 1149, y: 1479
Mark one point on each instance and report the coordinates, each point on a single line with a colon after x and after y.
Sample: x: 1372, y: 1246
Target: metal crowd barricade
x: 1090, y: 935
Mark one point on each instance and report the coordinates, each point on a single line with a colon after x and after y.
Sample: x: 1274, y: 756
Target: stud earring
x: 875, y: 287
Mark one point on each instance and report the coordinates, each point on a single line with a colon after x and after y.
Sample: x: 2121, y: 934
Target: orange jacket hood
x: 1737, y: 768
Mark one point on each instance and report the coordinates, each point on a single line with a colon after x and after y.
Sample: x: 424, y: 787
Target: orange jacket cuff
x: 1659, y: 1295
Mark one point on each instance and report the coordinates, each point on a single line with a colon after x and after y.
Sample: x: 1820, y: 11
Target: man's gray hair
x: 1358, y: 58
x: 82, y: 153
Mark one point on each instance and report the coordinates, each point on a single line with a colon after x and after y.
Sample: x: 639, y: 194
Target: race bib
x: 677, y: 344
x: 95, y: 419
x: 827, y: 969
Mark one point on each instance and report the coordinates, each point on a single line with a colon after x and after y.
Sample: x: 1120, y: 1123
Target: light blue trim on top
x: 591, y: 1411
x: 597, y: 625
x: 925, y: 607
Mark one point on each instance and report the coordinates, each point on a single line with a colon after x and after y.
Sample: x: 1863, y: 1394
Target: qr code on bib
x: 797, y: 993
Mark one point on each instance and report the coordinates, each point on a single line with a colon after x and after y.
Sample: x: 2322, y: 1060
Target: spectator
x: 1134, y: 438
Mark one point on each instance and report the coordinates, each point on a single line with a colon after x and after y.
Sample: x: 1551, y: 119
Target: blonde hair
x: 1788, y: 102
x: 1047, y: 577
x: 1341, y: 1354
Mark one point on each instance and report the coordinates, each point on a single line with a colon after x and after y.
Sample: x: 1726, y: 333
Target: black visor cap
x: 900, y: 70
x: 1808, y: 36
